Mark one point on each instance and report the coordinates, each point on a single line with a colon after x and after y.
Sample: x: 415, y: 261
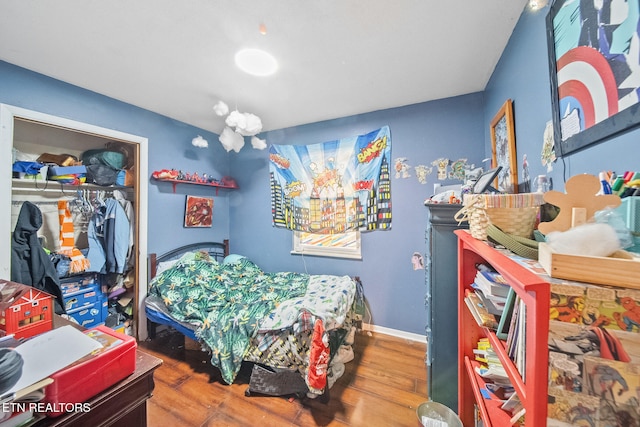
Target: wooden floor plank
x: 382, y: 386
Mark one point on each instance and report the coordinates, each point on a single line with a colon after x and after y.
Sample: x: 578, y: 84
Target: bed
x: 297, y: 329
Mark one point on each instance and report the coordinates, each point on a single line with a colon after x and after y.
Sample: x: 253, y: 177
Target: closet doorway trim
x: 8, y: 115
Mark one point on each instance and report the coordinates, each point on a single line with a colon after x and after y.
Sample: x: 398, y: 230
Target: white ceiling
x: 337, y: 57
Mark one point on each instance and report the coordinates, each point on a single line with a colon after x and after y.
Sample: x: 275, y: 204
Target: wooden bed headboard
x: 217, y: 250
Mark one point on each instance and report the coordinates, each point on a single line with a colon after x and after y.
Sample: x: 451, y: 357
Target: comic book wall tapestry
x: 332, y: 187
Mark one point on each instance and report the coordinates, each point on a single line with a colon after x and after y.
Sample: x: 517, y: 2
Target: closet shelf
x: 39, y: 186
x: 217, y: 186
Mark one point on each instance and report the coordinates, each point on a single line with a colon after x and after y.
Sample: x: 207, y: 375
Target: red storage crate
x: 94, y: 373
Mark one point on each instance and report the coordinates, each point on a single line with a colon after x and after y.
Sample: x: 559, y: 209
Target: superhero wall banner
x: 332, y: 187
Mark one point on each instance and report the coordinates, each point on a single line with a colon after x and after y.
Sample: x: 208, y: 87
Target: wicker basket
x: 514, y: 214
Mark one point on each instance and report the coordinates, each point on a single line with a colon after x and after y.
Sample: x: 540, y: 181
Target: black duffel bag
x: 102, y: 174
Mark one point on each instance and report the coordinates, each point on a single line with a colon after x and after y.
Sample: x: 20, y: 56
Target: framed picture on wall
x: 503, y: 149
x: 198, y: 212
x: 594, y: 69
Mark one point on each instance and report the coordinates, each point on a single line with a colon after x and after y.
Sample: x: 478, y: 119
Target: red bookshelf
x: 534, y: 292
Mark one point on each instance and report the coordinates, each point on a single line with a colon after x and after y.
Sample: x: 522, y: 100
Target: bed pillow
x: 165, y: 265
x: 231, y: 258
x: 187, y: 257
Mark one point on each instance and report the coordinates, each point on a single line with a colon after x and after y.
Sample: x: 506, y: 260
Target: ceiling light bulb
x: 263, y: 29
x: 256, y: 62
x: 537, y: 4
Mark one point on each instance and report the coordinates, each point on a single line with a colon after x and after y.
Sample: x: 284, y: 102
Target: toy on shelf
x: 176, y: 176
x: 166, y: 174
x: 579, y: 204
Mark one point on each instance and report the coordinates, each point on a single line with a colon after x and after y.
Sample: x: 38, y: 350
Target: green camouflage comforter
x: 226, y: 301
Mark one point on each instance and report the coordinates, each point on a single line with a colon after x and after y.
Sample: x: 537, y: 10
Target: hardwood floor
x: 382, y: 386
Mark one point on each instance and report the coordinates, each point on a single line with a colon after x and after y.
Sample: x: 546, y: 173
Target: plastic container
x: 629, y: 209
x: 94, y: 373
x: 434, y: 414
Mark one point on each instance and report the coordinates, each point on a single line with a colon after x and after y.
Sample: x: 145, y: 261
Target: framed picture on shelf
x: 593, y: 58
x: 198, y: 212
x: 503, y: 149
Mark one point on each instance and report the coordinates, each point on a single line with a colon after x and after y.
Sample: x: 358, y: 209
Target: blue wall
x: 453, y: 128
x: 169, y: 147
x: 522, y: 75
x: 450, y: 128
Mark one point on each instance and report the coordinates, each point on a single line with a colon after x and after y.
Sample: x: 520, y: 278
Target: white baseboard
x: 394, y: 332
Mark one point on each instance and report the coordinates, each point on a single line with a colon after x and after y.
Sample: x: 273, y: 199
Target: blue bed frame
x: 216, y: 250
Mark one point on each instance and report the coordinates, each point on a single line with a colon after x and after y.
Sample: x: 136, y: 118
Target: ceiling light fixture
x: 256, y: 62
x: 537, y: 4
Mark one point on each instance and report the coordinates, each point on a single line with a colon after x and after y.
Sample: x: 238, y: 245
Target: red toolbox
x: 92, y: 374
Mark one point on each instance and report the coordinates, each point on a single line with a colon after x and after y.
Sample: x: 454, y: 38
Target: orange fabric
x: 67, y: 242
x: 318, y: 358
x: 66, y: 226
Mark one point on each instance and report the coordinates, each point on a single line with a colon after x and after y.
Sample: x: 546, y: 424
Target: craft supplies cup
x: 514, y: 214
x: 434, y: 414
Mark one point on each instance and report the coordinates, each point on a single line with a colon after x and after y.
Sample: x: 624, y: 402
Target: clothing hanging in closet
x: 68, y: 247
x: 30, y: 264
x: 108, y: 236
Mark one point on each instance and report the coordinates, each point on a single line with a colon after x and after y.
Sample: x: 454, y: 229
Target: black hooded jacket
x: 30, y: 264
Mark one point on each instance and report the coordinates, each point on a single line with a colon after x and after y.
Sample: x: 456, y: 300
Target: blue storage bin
x: 74, y: 284
x: 87, y: 316
x: 86, y: 296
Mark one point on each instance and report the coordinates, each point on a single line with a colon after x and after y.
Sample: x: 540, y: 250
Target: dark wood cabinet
x: 441, y: 301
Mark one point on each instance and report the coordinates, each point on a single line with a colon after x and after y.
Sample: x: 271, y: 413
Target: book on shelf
x: 486, y: 357
x: 513, y: 324
x: 479, y: 311
x: 495, y: 305
x: 494, y: 373
x: 516, y: 338
x: 521, y: 355
x: 490, y: 368
x: 501, y: 391
x: 514, y: 407
x: 512, y: 404
x: 491, y: 282
x: 518, y: 417
x: 484, y: 353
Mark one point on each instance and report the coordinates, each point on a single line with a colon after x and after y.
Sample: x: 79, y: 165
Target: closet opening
x: 108, y: 292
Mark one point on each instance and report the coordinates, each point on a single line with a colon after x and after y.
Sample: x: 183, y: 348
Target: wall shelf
x: 217, y: 186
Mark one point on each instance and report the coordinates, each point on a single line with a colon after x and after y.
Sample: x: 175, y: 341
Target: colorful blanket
x: 327, y: 297
x: 227, y: 301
